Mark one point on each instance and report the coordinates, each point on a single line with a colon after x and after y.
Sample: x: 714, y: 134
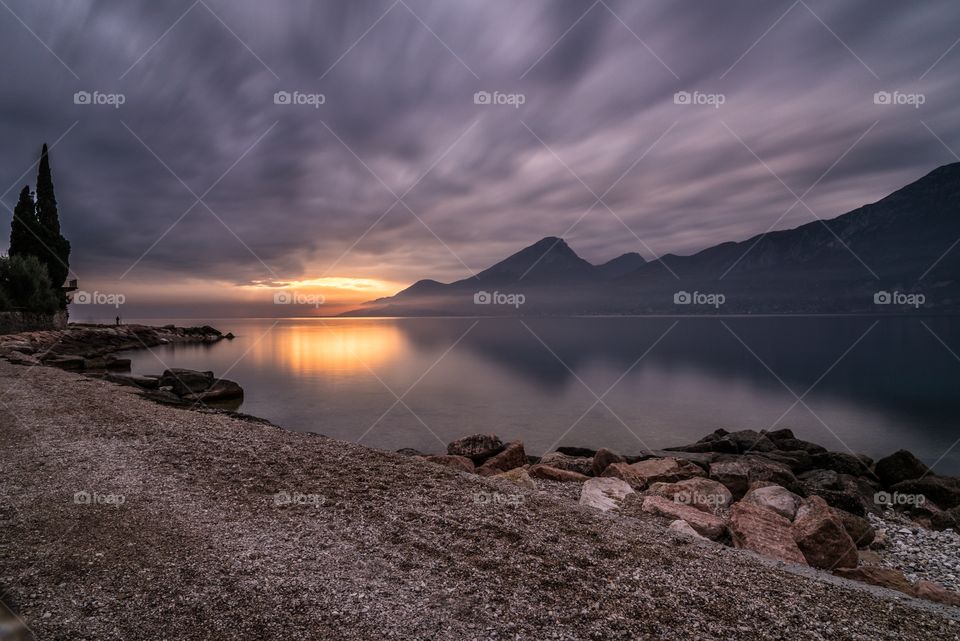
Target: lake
x: 870, y: 385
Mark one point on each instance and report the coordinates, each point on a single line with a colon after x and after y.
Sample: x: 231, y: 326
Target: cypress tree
x: 24, y: 227
x: 46, y: 199
x: 56, y: 254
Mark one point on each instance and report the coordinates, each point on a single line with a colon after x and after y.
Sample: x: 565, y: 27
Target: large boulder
x: 604, y: 494
x: 186, y: 381
x: 737, y: 473
x: 845, y: 492
x: 580, y: 464
x: 821, y: 536
x: 476, y: 447
x: 221, y: 390
x: 511, y: 457
x: 842, y: 463
x: 943, y: 491
x: 797, y: 460
x: 461, y: 463
x: 540, y: 471
x: 900, y: 466
x: 705, y: 524
x: 644, y: 473
x: 879, y: 576
x: 792, y: 444
x: 765, y: 532
x: 701, y: 493
x: 518, y: 476
x: 775, y: 498
x: 859, y: 528
x: 603, y: 458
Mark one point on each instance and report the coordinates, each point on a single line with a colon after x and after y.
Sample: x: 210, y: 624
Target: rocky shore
x: 124, y: 519
x: 891, y: 523
x: 90, y: 349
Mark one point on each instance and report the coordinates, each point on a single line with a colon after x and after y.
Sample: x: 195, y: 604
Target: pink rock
x: 704, y: 523
x: 765, y: 532
x: 821, y: 536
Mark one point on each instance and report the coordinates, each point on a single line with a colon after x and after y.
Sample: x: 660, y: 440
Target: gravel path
x: 122, y: 519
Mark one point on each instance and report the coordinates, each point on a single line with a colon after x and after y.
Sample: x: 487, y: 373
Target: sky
x: 210, y: 155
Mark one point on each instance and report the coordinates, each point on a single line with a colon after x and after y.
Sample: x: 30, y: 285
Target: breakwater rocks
x: 89, y: 349
x: 768, y: 492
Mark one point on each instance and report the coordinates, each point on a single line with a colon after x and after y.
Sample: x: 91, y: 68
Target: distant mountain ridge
x: 904, y: 243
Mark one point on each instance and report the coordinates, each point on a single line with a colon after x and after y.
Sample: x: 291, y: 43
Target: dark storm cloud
x: 285, y: 191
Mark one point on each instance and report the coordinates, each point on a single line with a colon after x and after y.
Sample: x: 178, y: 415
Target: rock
x: 460, y: 463
x: 705, y: 524
x: 775, y: 498
x: 114, y: 363
x: 603, y: 458
x: 744, y: 441
x: 561, y: 461
x: 703, y: 459
x: 700, y: 493
x: 476, y: 447
x: 221, y: 390
x: 797, y: 460
x: 738, y: 473
x: 186, y: 381
x: 900, y: 466
x: 874, y: 575
x: 936, y: 592
x: 857, y: 527
x: 842, y: 491
x: 821, y: 536
x: 779, y: 435
x: 790, y: 444
x: 683, y: 528
x: 511, y: 457
x: 409, y: 451
x: 66, y: 361
x: 664, y: 470
x: 842, y: 463
x: 518, y: 476
x: 229, y: 336
x: 579, y: 452
x: 604, y: 494
x: 942, y: 490
x: 765, y: 532
x: 143, y: 382
x: 540, y: 471
x: 21, y: 358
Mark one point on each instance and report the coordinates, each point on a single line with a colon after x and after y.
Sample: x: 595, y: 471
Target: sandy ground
x: 122, y: 519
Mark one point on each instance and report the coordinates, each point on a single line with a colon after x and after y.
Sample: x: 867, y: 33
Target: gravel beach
x: 124, y: 519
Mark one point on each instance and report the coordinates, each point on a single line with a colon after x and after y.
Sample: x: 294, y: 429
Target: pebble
x: 922, y: 555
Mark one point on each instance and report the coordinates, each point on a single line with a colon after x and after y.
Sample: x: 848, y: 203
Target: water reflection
x: 873, y: 386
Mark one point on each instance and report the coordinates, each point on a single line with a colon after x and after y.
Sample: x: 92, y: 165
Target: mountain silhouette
x: 905, y: 246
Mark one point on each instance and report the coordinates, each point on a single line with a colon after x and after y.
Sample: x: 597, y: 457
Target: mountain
x: 621, y: 265
x: 905, y: 248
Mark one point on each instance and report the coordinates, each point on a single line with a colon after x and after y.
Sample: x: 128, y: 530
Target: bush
x: 25, y: 285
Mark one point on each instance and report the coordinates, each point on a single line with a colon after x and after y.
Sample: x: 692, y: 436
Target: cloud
x: 292, y: 192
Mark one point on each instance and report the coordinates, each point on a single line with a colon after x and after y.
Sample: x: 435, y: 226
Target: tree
x: 56, y: 253
x: 25, y: 284
x: 24, y: 228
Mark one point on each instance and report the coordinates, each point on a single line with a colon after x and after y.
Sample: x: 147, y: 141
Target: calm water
x: 535, y: 379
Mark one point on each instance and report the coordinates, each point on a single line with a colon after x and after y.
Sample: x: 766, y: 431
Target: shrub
x: 25, y: 285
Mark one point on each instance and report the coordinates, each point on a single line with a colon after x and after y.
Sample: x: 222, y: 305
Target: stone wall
x: 14, y: 322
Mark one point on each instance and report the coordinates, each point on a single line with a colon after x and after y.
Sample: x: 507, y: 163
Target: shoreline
x: 376, y: 539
